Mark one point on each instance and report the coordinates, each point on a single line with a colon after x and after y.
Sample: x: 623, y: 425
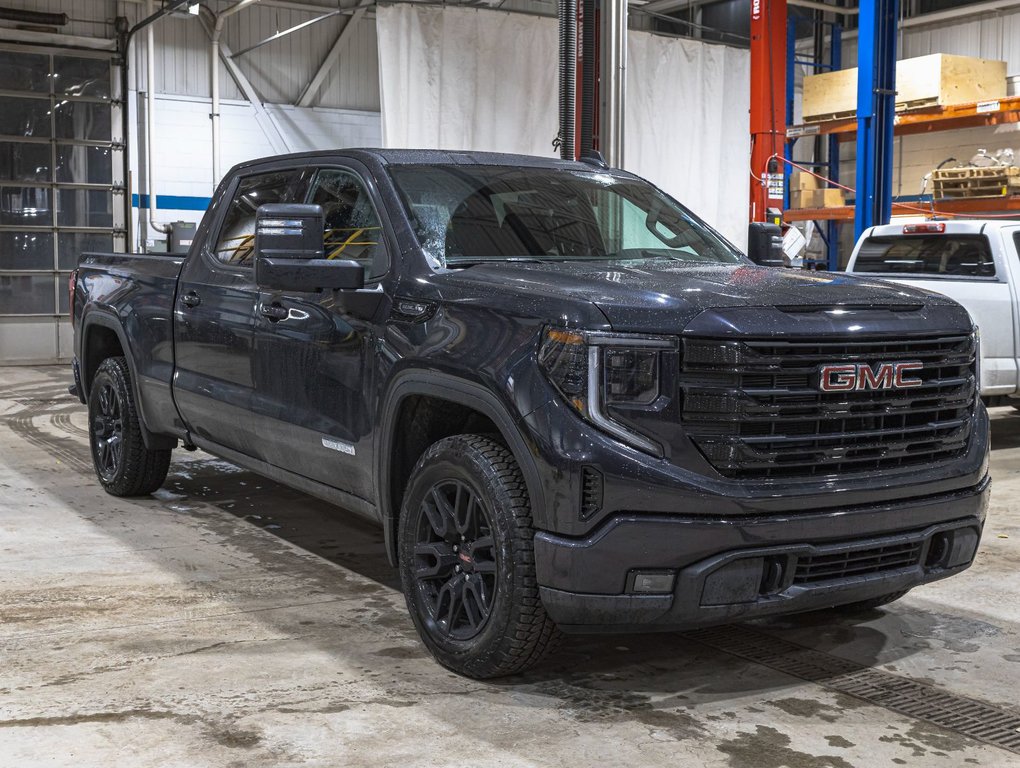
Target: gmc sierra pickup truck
x: 976, y: 263
x: 571, y: 404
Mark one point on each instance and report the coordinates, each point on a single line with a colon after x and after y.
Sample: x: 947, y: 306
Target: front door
x: 314, y: 366
x: 214, y: 318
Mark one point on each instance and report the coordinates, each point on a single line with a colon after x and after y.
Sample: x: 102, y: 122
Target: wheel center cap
x: 465, y: 558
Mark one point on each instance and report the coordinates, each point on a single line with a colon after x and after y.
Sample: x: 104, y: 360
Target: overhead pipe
x: 612, y: 80
x: 214, y: 74
x: 567, y: 11
x: 126, y: 36
x: 150, y: 119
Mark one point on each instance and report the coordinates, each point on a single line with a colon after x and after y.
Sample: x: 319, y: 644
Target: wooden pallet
x: 901, y: 107
x: 976, y: 182
x: 923, y: 83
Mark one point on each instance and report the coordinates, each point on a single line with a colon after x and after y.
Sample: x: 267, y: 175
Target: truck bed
x: 135, y: 292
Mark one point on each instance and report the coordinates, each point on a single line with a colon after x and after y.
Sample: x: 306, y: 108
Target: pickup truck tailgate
x: 962, y: 262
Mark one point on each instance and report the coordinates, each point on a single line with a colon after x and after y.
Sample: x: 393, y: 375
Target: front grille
x: 754, y: 409
x: 810, y: 570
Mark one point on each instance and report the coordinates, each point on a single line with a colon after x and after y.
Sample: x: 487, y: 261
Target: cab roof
x: 388, y: 157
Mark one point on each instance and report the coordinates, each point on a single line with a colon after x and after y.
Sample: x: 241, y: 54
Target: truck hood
x: 665, y: 296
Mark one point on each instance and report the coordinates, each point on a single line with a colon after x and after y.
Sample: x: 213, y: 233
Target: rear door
x: 959, y: 262
x: 314, y: 388
x: 214, y: 316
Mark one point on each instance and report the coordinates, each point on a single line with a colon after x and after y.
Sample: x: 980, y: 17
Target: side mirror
x: 289, y: 253
x: 765, y: 244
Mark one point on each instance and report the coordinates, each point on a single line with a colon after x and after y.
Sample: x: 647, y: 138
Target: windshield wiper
x: 687, y: 257
x: 513, y: 260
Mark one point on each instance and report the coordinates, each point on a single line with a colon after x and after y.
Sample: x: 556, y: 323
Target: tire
x: 873, y: 603
x: 124, y: 466
x: 467, y: 562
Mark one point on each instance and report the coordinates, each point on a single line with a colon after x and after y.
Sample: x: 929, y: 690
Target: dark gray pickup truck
x: 570, y: 404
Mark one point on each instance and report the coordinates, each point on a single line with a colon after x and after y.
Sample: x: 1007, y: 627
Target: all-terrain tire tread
x: 532, y: 634
x: 144, y: 470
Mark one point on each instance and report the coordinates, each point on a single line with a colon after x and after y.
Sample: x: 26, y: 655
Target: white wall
x: 183, y: 144
x: 473, y: 79
x: 687, y: 127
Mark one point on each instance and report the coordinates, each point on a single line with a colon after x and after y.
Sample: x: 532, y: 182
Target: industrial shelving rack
x: 984, y: 113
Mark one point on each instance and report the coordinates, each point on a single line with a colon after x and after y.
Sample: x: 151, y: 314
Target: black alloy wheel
x: 466, y: 552
x: 455, y: 560
x: 108, y: 433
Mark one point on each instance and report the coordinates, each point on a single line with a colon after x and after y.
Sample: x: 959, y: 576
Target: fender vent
x: 591, y: 492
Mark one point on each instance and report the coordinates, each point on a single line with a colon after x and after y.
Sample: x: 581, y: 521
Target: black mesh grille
x: 856, y: 563
x: 754, y: 408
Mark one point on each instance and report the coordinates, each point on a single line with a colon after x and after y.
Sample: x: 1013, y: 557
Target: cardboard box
x: 801, y: 180
x: 816, y: 198
x: 938, y: 80
x: 832, y: 198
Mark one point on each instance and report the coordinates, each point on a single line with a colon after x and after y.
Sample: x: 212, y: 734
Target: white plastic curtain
x: 475, y: 79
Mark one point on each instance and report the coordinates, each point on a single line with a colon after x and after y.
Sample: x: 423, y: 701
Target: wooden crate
x: 938, y: 80
x: 976, y: 182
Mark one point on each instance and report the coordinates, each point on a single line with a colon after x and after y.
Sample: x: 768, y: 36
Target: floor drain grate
x: 969, y: 717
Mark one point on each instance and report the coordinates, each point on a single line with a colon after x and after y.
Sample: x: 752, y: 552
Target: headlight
x: 592, y: 370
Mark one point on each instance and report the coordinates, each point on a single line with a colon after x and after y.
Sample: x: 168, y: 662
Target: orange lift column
x: 768, y: 106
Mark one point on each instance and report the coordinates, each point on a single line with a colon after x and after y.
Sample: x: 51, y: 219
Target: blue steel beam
x: 876, y: 109
x: 791, y: 55
x: 832, y: 227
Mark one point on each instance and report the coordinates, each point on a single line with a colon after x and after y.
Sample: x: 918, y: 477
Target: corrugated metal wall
x: 992, y: 36
x: 278, y: 70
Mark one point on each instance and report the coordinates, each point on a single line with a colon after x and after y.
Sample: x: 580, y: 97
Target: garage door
x: 61, y: 188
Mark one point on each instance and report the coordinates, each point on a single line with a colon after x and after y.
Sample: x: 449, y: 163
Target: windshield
x: 470, y: 214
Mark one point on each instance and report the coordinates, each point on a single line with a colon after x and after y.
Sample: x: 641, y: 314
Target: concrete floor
x: 231, y: 622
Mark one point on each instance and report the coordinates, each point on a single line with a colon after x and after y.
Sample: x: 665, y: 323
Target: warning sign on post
x: 775, y: 184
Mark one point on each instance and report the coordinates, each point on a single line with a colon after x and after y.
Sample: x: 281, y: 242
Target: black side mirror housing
x: 289, y: 252
x: 765, y: 244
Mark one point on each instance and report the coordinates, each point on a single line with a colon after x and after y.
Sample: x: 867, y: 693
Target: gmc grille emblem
x: 852, y: 377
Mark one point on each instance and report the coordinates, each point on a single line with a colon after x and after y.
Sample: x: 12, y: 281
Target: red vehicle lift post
x: 768, y: 106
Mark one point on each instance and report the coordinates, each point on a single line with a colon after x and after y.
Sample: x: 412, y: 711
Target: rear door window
x: 236, y: 245
x: 923, y: 255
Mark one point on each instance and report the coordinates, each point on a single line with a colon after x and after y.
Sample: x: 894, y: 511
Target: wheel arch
x: 98, y: 330
x: 458, y: 392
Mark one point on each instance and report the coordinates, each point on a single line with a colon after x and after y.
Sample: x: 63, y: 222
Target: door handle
x: 274, y: 312
x: 191, y: 299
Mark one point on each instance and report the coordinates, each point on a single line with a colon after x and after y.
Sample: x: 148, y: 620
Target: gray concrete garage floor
x: 230, y: 622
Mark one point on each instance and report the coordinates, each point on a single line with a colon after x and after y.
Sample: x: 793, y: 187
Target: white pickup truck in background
x: 977, y: 263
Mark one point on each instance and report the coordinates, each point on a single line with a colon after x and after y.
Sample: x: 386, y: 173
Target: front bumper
x: 740, y: 568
